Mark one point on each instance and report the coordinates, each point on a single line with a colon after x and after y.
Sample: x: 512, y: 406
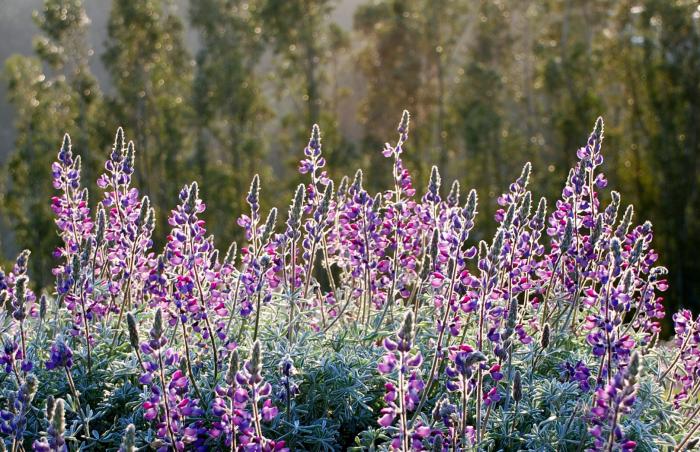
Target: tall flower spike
x: 402, y: 392
x: 509, y: 217
x: 58, y: 420
x: 157, y: 330
x: 613, y: 401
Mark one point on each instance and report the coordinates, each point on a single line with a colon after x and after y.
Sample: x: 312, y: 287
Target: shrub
x: 364, y: 322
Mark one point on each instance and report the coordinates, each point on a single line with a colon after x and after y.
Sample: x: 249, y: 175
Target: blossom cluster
x: 463, y: 338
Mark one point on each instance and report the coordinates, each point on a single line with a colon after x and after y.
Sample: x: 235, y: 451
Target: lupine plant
x: 370, y: 321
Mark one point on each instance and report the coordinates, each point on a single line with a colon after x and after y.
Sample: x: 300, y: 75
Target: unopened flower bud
x: 232, y: 367
x: 625, y: 223
x: 568, y: 236
x: 133, y: 330
x: 255, y: 360
x: 58, y: 420
x: 326, y: 200
x: 524, y: 178
x: 230, y: 258
x: 406, y: 330
x: 158, y: 324
x: 405, y: 122
x: 269, y: 225
x: 253, y: 198
x: 525, y: 206
x: 42, y: 307
x: 469, y: 211
x: 343, y: 187
x: 611, y: 210
x: 50, y: 405
x: 517, y: 387
x: 544, y: 340
x: 437, y: 445
x: 453, y: 197
x: 357, y: 182
x: 540, y: 214
x: 434, y: 184
x: 129, y: 440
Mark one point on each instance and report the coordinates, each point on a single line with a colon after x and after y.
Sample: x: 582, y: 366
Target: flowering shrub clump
x: 359, y: 321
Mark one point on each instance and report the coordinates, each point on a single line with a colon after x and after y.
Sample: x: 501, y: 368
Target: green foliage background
x: 490, y: 84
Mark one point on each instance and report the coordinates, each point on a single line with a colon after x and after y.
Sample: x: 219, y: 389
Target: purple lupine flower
x: 289, y: 387
x: 71, y: 209
x: 168, y: 400
x: 229, y: 406
x: 197, y: 299
x: 11, y: 354
x: 578, y: 373
x: 252, y: 390
x: 463, y: 362
x: 319, y: 206
x: 125, y: 239
x: 13, y: 417
x: 61, y: 355
x: 687, y: 341
x: 404, y: 385
x: 611, y: 403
